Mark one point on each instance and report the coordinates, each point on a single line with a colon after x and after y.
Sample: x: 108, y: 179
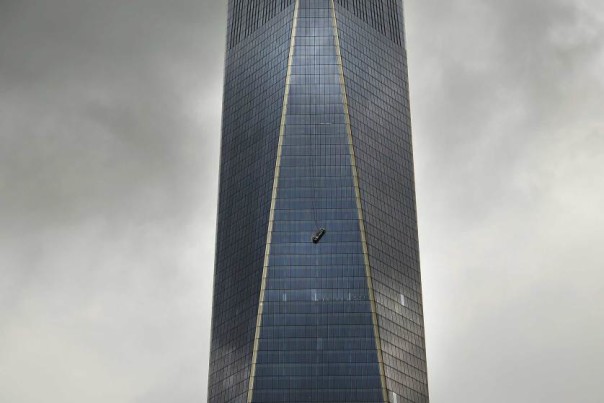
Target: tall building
x: 317, y: 289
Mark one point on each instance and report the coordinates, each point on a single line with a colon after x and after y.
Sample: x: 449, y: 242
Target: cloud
x: 109, y: 124
x: 110, y: 121
x: 510, y: 159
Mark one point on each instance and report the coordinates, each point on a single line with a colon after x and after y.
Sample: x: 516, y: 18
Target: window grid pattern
x: 253, y: 96
x: 317, y: 340
x: 249, y: 15
x: 376, y: 83
x: 381, y: 15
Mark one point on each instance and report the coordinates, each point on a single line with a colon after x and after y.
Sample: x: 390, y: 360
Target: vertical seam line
x: 357, y: 191
x: 273, y: 203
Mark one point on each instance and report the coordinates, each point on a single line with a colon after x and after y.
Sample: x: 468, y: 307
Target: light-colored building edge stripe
x: 357, y: 192
x: 269, y: 235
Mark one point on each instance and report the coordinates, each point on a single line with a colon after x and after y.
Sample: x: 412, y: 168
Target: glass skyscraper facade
x: 317, y: 288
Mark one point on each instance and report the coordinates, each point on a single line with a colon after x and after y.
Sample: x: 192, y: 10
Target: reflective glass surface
x: 253, y: 98
x: 317, y: 336
x: 378, y: 97
x: 340, y: 319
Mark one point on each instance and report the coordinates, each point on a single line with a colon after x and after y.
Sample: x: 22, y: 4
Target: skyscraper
x: 317, y: 288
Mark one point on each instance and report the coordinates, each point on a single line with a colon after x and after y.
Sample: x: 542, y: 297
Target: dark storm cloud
x: 109, y: 121
x: 508, y: 75
x: 509, y: 133
x: 109, y: 129
x: 104, y: 97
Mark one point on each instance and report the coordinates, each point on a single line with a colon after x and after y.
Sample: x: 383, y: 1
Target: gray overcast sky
x: 109, y: 129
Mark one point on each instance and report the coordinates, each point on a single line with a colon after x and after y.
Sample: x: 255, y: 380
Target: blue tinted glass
x: 309, y: 330
x: 317, y: 336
